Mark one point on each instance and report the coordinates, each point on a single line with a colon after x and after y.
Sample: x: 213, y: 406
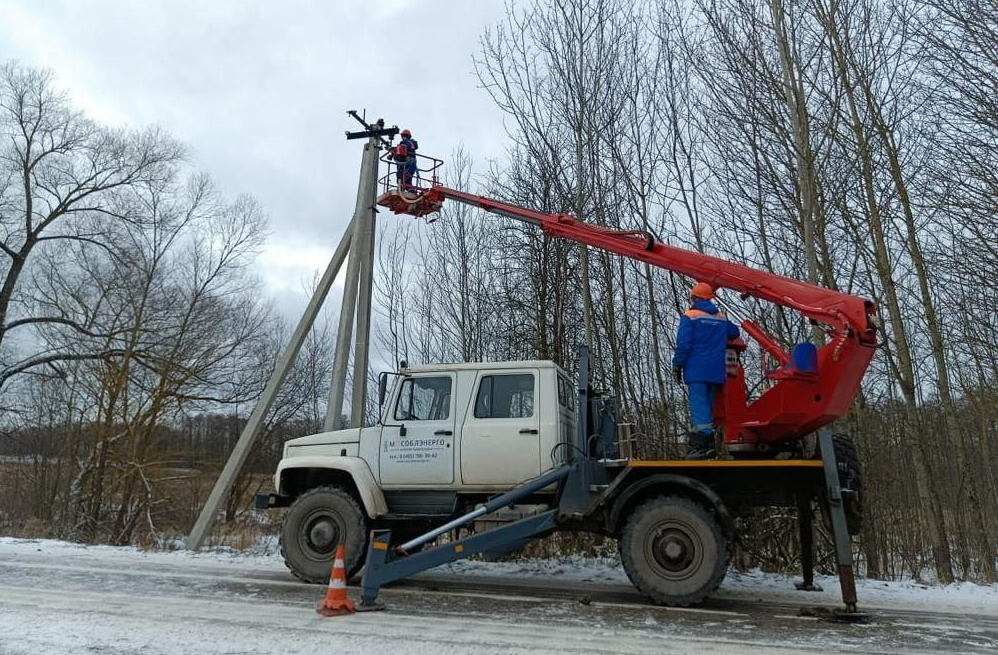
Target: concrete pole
x: 366, y: 190
x: 344, y: 335
x: 239, y: 454
x: 364, y: 251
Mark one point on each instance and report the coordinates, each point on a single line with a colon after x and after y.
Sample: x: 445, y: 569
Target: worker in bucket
x: 410, y: 158
x: 400, y: 155
x: 699, y: 361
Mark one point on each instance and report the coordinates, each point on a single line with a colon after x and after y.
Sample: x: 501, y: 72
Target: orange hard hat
x: 702, y: 290
x: 406, y: 132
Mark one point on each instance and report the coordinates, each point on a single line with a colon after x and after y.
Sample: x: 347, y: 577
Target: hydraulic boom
x: 808, y: 386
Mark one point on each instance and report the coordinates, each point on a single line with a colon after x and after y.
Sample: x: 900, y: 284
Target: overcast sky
x: 259, y: 90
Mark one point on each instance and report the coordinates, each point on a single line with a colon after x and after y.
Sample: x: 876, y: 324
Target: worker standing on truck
x: 701, y: 344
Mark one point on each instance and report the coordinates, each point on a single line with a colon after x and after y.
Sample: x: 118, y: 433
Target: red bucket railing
x: 425, y: 177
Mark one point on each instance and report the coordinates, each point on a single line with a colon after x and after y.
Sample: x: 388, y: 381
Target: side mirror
x: 382, y: 388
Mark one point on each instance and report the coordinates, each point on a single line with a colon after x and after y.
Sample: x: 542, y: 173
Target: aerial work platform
x: 674, y: 519
x: 415, y: 198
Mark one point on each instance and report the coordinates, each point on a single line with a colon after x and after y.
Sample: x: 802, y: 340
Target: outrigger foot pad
x: 835, y: 615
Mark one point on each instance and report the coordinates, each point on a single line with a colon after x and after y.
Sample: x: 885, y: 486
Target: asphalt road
x: 69, y: 601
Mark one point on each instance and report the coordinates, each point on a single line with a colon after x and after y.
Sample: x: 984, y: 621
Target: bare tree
x: 58, y: 174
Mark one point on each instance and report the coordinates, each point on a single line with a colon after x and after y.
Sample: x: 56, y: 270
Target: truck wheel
x: 315, y: 524
x: 851, y: 478
x: 674, y: 551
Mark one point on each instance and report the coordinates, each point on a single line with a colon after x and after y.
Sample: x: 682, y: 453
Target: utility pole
x: 358, y: 243
x: 360, y: 227
x: 364, y: 250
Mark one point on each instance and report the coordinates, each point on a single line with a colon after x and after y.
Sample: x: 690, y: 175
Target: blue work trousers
x: 410, y: 170
x: 702, y: 396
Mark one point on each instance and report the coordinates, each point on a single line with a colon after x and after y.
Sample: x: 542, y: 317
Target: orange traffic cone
x: 336, y: 602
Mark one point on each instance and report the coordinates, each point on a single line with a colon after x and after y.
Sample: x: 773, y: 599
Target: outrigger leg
x: 383, y: 566
x: 840, y: 534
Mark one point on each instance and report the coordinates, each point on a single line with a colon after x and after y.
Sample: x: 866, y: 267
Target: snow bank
x: 266, y: 553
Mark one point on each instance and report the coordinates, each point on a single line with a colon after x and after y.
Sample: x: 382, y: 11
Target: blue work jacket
x: 701, y: 343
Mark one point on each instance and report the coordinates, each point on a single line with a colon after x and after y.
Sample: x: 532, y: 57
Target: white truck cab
x: 449, y: 435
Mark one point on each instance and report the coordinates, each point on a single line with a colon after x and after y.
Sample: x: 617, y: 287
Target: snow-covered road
x: 64, y: 598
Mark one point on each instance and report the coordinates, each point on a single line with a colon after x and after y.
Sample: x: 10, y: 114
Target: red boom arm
x: 808, y: 391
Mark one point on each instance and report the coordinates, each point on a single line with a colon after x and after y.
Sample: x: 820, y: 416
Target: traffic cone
x: 336, y: 602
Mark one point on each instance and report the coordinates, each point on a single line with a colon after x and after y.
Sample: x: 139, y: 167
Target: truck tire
x: 314, y: 525
x: 851, y: 478
x: 674, y: 551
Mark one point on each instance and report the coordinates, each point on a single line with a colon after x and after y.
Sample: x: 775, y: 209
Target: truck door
x: 417, y: 444
x: 500, y: 444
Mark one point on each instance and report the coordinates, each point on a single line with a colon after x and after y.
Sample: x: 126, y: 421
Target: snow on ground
x: 58, y: 597
x: 754, y: 585
x: 171, y: 626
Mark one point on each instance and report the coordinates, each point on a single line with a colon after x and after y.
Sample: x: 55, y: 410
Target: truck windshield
x: 424, y: 399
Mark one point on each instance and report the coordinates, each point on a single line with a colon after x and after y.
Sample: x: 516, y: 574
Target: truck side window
x: 566, y: 395
x: 424, y: 399
x: 505, y: 396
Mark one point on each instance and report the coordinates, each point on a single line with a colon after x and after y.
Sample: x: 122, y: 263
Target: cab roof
x: 478, y: 366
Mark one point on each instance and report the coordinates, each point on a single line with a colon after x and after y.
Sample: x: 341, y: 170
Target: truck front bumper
x: 270, y: 500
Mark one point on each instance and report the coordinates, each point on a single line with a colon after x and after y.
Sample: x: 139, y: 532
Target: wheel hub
x: 673, y: 550
x: 323, y: 535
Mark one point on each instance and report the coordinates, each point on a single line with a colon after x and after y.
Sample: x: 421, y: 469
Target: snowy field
x: 57, y: 597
